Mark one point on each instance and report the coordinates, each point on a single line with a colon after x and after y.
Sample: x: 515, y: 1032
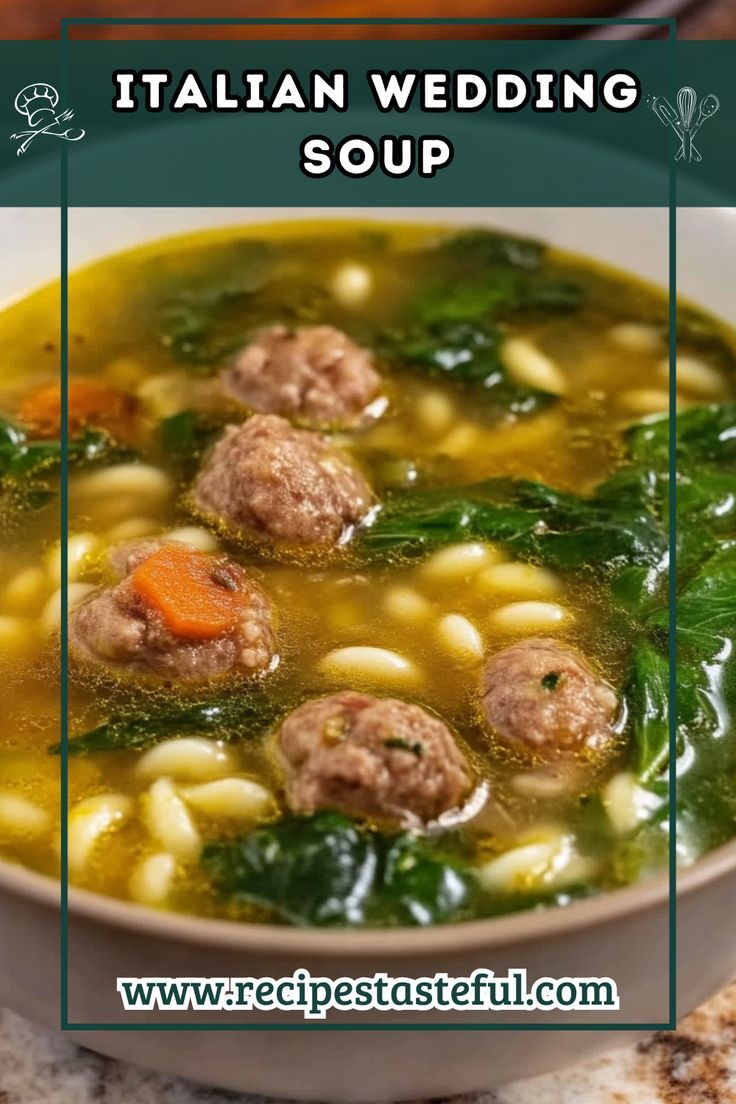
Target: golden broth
x: 432, y: 434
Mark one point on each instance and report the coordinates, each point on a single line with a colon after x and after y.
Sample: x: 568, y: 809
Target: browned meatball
x: 266, y: 479
x: 368, y: 756
x: 543, y: 698
x: 222, y: 623
x: 314, y: 372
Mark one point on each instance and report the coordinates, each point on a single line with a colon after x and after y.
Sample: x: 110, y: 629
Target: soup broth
x: 517, y: 452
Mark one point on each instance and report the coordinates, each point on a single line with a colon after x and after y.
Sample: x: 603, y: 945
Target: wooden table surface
x: 712, y: 19
x: 702, y: 19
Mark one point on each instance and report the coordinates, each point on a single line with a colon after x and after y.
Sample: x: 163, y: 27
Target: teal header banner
x: 266, y: 123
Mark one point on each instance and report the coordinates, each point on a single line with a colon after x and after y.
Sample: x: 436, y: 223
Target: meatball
x: 545, y: 699
x: 266, y: 479
x: 149, y: 623
x: 368, y: 756
x: 315, y: 373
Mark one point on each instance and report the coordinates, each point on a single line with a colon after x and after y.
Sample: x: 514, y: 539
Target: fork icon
x: 681, y: 120
x: 38, y: 103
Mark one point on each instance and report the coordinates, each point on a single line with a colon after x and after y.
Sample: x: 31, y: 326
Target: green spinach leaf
x: 533, y: 520
x: 25, y: 465
x: 646, y: 694
x: 202, y: 320
x: 233, y: 717
x: 467, y: 354
x: 21, y: 457
x: 325, y: 870
x: 186, y: 435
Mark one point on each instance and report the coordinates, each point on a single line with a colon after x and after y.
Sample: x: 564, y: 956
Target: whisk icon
x: 684, y: 121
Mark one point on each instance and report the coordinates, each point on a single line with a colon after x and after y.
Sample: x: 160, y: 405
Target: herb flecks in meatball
x: 545, y: 699
x: 177, y: 614
x: 312, y: 373
x: 265, y: 479
x: 371, y: 757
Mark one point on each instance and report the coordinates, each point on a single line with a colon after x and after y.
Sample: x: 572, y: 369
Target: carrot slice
x: 193, y: 591
x: 90, y: 403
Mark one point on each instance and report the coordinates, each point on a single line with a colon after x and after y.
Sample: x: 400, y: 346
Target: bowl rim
x: 410, y: 942
x: 519, y: 927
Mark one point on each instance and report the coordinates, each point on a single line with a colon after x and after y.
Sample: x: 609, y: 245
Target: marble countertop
x: 694, y: 1065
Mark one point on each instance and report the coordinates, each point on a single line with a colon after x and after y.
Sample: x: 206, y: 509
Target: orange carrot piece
x: 90, y: 403
x: 187, y: 589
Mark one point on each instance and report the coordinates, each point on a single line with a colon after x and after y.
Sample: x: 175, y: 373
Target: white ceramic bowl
x: 624, y: 934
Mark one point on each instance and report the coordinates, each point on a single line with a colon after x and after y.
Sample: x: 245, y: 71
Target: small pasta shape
x: 695, y: 376
x: 90, y: 821
x: 406, y: 605
x: 645, y: 400
x: 434, y: 412
x: 230, y: 798
x: 627, y: 803
x: 185, y: 759
x: 529, y: 617
x: 352, y: 283
x: 142, y: 481
x: 51, y: 615
x: 375, y: 665
x: 132, y: 529
x: 152, y: 879
x: 19, y: 816
x: 16, y: 633
x: 165, y: 394
x: 530, y: 366
x: 635, y: 337
x: 125, y: 371
x: 460, y: 561
x: 80, y: 547
x: 196, y: 537
x: 542, y: 785
x: 168, y: 821
x: 519, y: 579
x: 460, y: 637
x: 551, y: 863
x: 25, y: 589
x: 459, y: 441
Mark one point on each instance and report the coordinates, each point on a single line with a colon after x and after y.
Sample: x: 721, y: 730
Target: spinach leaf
x: 706, y: 693
x: 492, y: 273
x: 24, y: 465
x: 548, y: 293
x: 418, y: 887
x: 489, y: 249
x: 21, y: 456
x: 606, y: 532
x: 645, y: 853
x: 227, y: 718
x: 452, y: 327
x: 463, y: 300
x: 186, y: 435
x: 201, y: 321
x: 324, y: 870
x: 465, y: 353
x: 706, y: 608
x: 646, y: 694
x: 622, y: 529
x: 702, y: 434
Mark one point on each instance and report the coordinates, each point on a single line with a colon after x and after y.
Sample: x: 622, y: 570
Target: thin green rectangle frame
x: 65, y: 1024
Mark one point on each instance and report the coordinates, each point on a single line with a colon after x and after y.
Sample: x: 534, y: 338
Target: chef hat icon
x: 36, y: 101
